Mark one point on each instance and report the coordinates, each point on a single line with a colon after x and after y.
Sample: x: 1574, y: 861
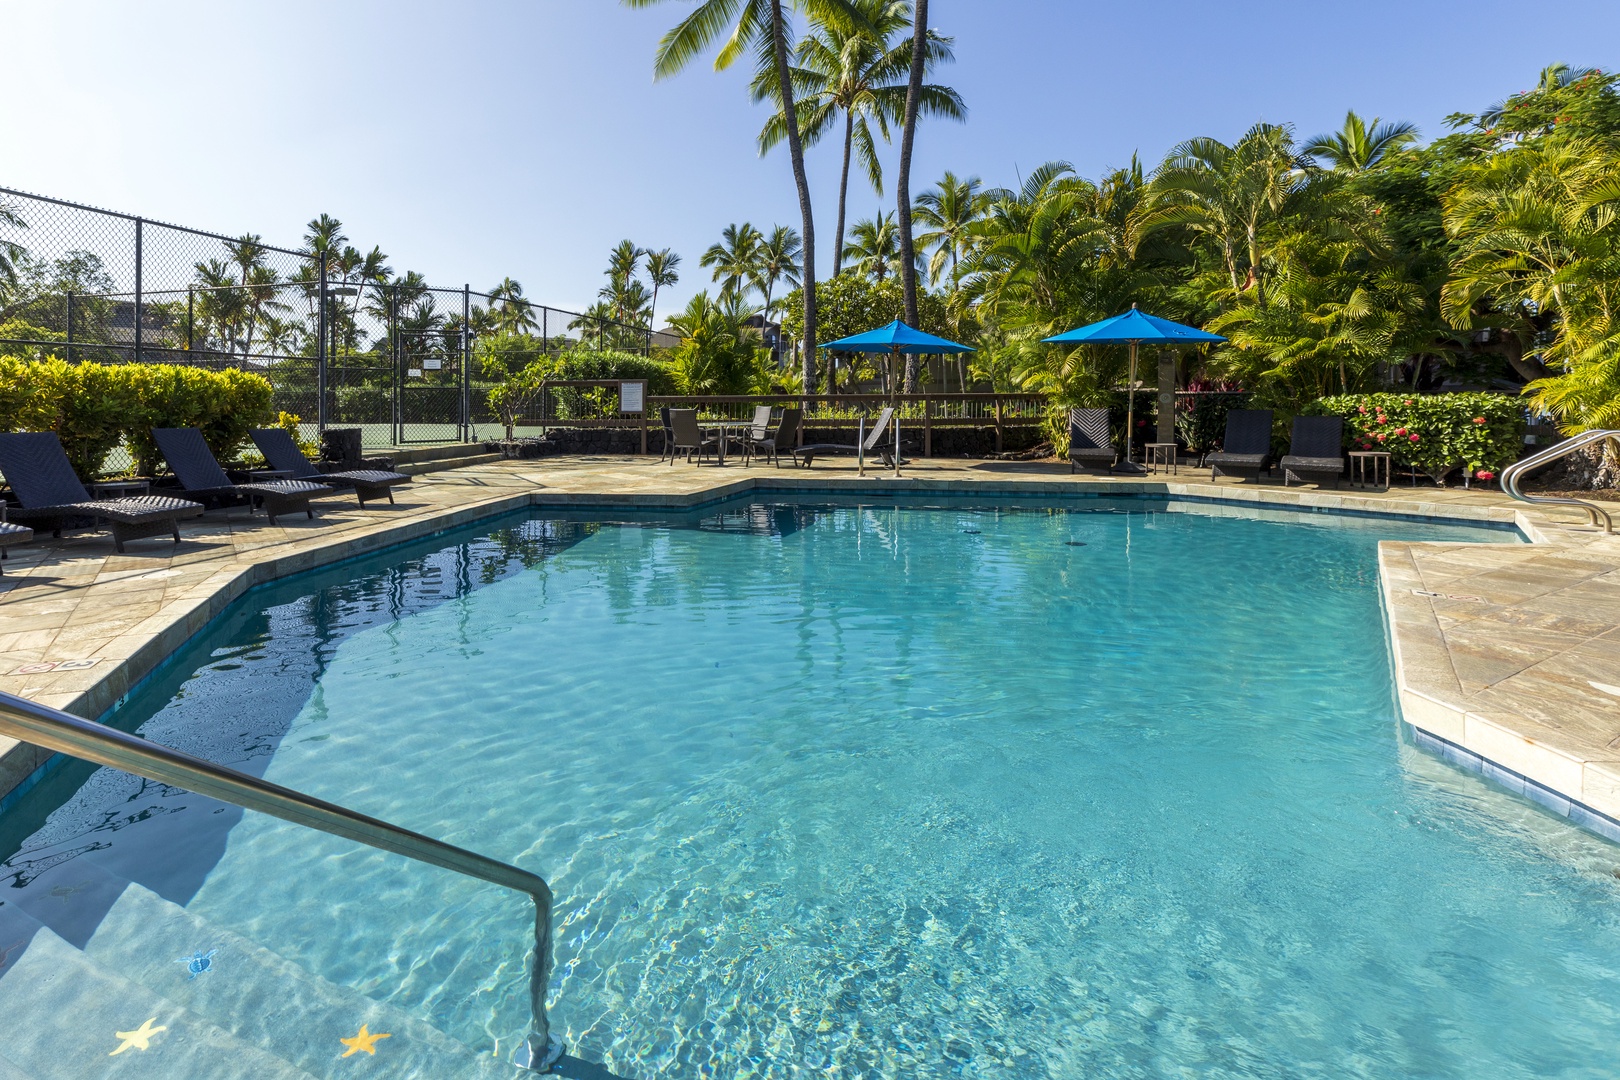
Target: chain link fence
x: 342, y: 346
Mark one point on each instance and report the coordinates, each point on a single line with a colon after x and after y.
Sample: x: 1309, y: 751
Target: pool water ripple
x: 857, y: 792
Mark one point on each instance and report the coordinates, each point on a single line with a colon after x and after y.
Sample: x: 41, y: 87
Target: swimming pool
x: 1106, y: 788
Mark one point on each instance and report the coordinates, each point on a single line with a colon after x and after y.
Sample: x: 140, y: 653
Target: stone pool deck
x: 1507, y: 656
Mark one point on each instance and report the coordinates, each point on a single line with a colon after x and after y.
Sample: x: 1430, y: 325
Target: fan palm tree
x: 735, y: 258
x: 776, y: 260
x: 1358, y: 146
x: 662, y: 271
x: 855, y: 72
x: 760, y: 24
x: 948, y: 212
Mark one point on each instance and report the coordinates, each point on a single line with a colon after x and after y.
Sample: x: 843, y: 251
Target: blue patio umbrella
x: 1132, y: 328
x: 897, y: 339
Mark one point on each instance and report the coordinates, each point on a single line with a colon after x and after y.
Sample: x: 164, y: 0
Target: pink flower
x: 1400, y: 431
x: 1363, y: 410
x: 1484, y: 474
x: 1479, y: 419
x: 1408, y: 401
x: 1414, y: 438
x: 1382, y: 436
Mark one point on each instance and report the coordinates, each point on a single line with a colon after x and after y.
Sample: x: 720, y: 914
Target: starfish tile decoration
x: 140, y: 1038
x: 364, y: 1041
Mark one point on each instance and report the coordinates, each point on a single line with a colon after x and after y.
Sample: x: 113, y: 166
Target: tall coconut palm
x: 776, y: 259
x: 874, y: 246
x: 735, y: 258
x: 11, y: 252
x: 855, y: 73
x: 742, y: 24
x: 662, y: 271
x: 509, y: 311
x: 948, y: 212
x: 902, y: 184
x: 1358, y: 145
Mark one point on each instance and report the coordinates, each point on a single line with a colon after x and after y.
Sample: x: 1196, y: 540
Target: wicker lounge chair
x: 49, y: 493
x: 11, y: 533
x: 1246, y: 449
x: 1090, y: 442
x: 874, y: 444
x: 1316, y: 452
x: 194, y: 466
x: 279, y: 449
x: 776, y: 443
x: 686, y: 435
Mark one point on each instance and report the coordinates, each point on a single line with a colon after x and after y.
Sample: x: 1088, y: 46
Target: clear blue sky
x: 476, y: 140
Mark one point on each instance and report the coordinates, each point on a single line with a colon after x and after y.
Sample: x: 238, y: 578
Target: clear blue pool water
x: 1107, y: 790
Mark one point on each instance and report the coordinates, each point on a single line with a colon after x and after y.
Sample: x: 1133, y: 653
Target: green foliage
x: 1434, y: 432
x: 93, y: 407
x: 612, y: 364
x: 27, y: 331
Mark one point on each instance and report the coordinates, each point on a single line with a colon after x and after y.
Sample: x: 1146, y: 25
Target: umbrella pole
x: 894, y: 400
x: 1128, y: 465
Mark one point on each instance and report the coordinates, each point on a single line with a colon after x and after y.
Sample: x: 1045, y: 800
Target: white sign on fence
x: 633, y: 397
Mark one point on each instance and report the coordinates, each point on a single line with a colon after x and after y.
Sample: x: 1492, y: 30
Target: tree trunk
x: 902, y: 185
x: 790, y: 113
x: 843, y: 193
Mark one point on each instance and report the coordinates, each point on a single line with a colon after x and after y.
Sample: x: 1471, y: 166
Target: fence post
x: 928, y: 427
x: 70, y: 327
x: 396, y: 379
x: 466, y: 363
x: 545, y: 338
x: 137, y: 290
x: 321, y: 417
x: 191, y: 315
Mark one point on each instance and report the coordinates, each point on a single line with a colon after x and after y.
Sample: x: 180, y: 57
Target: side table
x: 1161, y: 454
x: 11, y: 533
x: 120, y: 489
x: 1380, y: 459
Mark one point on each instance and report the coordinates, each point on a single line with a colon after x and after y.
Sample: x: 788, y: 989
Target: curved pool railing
x: 1515, y: 472
x: 103, y: 745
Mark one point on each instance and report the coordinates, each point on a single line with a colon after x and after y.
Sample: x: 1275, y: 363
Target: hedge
x: 1481, y: 433
x: 95, y: 407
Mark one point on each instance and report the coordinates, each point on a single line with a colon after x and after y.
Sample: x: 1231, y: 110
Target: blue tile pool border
x: 1577, y: 812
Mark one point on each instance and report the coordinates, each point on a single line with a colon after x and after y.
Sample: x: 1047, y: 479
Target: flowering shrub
x: 1433, y: 432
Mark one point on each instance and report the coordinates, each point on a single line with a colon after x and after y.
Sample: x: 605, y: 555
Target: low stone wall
x: 948, y: 442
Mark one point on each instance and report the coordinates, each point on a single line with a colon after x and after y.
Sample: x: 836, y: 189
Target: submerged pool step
x: 68, y: 1019
x: 269, y: 1001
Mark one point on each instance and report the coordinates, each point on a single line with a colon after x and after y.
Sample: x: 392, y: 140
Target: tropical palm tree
x: 11, y: 252
x: 902, y: 185
x: 855, y: 72
x: 509, y: 311
x: 948, y: 212
x: 775, y: 260
x: 1230, y: 194
x: 663, y: 270
x: 1358, y: 146
x: 735, y: 258
x: 874, y: 246
x: 759, y: 24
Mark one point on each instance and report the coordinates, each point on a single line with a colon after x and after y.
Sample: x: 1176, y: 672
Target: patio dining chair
x: 778, y: 442
x: 686, y: 435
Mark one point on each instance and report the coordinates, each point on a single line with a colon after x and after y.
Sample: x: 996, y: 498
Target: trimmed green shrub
x: 1433, y: 432
x: 93, y: 407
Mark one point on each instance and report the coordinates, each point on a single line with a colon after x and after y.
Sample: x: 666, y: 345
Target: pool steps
x: 250, y: 1014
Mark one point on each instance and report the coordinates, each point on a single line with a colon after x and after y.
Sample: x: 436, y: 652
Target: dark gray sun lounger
x: 194, y: 466
x: 874, y: 442
x: 278, y: 448
x: 1316, y: 452
x: 49, y: 492
x: 1090, y: 441
x: 1246, y: 450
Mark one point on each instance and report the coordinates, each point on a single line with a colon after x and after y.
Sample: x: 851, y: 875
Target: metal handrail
x: 1512, y: 474
x: 86, y: 739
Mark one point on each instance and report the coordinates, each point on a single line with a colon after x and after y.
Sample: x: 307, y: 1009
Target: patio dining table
x: 724, y: 427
